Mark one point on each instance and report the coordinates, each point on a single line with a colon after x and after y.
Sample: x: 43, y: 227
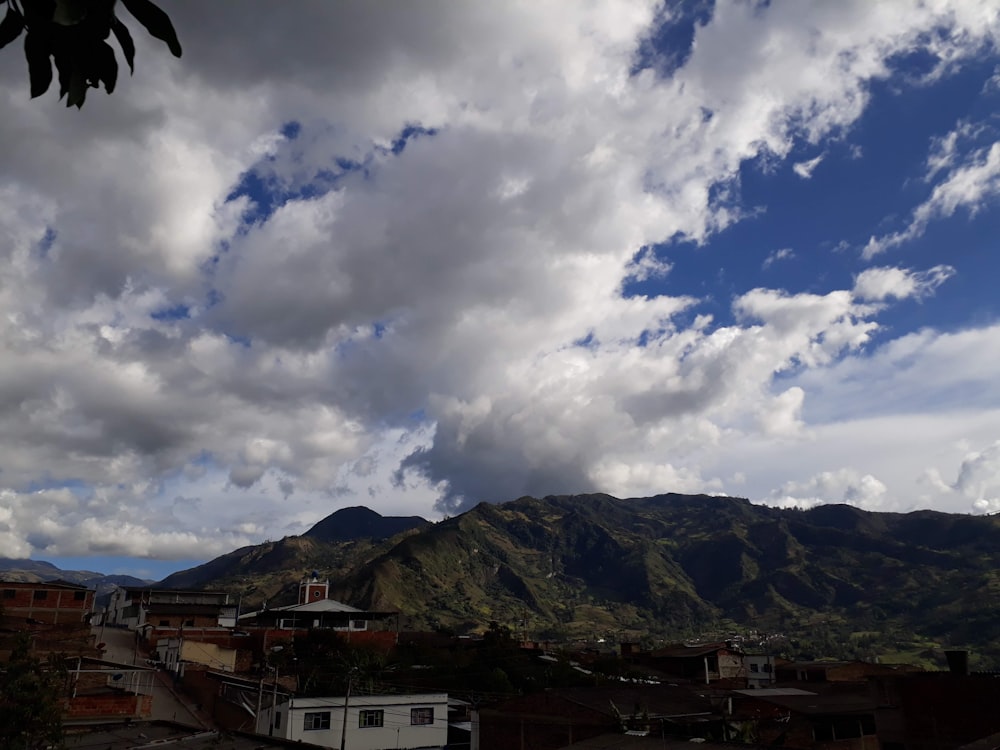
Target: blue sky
x: 419, y: 257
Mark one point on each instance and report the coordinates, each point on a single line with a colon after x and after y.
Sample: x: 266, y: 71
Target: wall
x: 397, y: 731
x: 60, y: 605
x: 540, y: 721
x: 99, y: 706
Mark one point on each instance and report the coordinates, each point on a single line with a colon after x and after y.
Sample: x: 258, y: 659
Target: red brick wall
x: 116, y: 704
x: 59, y: 605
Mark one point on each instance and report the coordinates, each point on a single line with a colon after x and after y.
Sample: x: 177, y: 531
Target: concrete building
x: 759, y: 670
x: 136, y: 607
x: 373, y: 722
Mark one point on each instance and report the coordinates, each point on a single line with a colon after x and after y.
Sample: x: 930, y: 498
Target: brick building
x: 54, y: 602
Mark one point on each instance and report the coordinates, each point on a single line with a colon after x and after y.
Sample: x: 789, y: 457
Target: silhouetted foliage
x: 73, y: 34
x: 30, y: 699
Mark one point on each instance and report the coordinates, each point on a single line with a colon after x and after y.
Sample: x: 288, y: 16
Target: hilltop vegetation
x: 838, y: 580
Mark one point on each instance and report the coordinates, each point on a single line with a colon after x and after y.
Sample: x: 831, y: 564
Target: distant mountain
x: 840, y: 579
x: 358, y: 522
x: 12, y: 569
x: 271, y: 570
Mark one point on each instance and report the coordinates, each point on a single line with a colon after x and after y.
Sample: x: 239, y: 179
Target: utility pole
x: 343, y: 724
x: 274, y: 703
x: 260, y: 696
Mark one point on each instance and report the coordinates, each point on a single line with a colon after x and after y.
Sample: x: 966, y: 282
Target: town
x: 190, y: 667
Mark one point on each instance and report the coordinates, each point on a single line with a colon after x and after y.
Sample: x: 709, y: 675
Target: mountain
x: 12, y: 569
x: 270, y: 571
x: 835, y: 577
x: 358, y: 522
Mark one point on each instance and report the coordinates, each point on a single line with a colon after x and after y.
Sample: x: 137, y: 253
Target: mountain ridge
x: 579, y: 565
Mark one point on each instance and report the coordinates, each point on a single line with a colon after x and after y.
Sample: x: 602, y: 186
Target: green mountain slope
x: 666, y: 565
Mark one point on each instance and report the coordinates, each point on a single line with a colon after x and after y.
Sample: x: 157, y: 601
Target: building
x: 935, y: 710
x: 703, y: 662
x: 53, y: 603
x: 223, y: 654
x: 829, y: 671
x: 829, y: 716
x: 759, y: 670
x: 373, y: 722
x: 315, y: 609
x: 559, y: 717
x: 136, y: 607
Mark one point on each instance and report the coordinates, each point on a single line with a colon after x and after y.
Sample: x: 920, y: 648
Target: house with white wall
x: 759, y: 670
x: 373, y: 722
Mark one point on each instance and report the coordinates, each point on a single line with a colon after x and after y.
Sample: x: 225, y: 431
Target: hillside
x: 271, y: 571
x: 671, y: 564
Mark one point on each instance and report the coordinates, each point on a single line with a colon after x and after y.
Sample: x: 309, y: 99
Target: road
x: 167, y: 704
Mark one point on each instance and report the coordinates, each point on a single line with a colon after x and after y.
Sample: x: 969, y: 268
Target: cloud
x: 804, y: 169
x: 418, y: 297
x: 979, y: 478
x: 877, y: 284
x: 971, y: 185
x: 841, y: 486
x: 785, y: 253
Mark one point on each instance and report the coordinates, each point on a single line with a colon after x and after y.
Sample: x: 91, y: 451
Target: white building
x: 374, y: 722
x: 759, y: 670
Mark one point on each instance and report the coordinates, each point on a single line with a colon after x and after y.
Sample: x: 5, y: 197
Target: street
x: 166, y: 704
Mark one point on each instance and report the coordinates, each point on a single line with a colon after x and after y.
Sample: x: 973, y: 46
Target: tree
x: 73, y: 34
x: 31, y: 699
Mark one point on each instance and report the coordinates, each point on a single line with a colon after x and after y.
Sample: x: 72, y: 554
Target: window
x: 755, y: 667
x: 359, y: 624
x: 421, y: 716
x: 164, y: 623
x: 9, y: 594
x: 370, y: 718
x: 79, y: 595
x: 41, y: 594
x: 189, y: 623
x: 767, y: 667
x: 315, y: 721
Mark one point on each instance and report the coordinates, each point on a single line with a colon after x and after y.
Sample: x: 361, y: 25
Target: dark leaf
x: 64, y: 65
x: 36, y: 52
x: 156, y: 22
x: 36, y: 11
x: 10, y: 27
x: 106, y: 65
x: 77, y: 92
x: 125, y: 40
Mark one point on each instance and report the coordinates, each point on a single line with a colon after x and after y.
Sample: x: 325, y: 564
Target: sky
x: 416, y: 256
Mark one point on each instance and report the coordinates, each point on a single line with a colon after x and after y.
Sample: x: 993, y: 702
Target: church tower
x: 313, y: 590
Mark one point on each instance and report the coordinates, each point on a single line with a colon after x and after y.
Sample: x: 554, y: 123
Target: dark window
x: 370, y: 718
x: 823, y: 731
x: 189, y: 623
x: 755, y: 667
x: 421, y: 716
x: 315, y: 721
x: 41, y: 594
x: 9, y: 594
x: 79, y: 595
x: 164, y: 623
x: 848, y: 728
x: 767, y: 667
